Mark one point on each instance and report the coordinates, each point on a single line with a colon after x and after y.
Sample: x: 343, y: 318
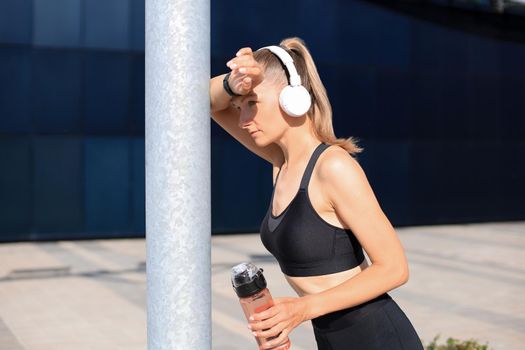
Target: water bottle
x: 250, y: 285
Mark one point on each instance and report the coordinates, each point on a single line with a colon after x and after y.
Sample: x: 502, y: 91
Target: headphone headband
x: 287, y: 60
x: 294, y: 99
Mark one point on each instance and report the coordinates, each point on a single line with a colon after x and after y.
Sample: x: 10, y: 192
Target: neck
x: 297, y: 146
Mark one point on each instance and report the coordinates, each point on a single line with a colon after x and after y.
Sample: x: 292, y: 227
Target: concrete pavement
x: 466, y: 281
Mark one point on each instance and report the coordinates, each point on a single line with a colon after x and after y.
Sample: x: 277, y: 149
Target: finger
x: 241, y: 85
x: 271, y: 332
x: 263, y: 315
x: 250, y: 70
x: 244, y: 51
x: 280, y: 339
x: 266, y: 324
x: 247, y: 82
x: 241, y: 61
x: 236, y: 77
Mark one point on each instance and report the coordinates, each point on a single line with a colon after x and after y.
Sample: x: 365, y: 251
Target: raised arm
x: 227, y: 116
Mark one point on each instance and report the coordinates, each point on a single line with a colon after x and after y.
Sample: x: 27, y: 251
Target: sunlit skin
x: 345, y: 201
x: 260, y: 111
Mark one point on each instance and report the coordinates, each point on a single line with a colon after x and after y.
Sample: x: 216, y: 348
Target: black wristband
x: 227, y: 86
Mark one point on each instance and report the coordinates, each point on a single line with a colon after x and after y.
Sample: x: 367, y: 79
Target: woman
x: 323, y: 211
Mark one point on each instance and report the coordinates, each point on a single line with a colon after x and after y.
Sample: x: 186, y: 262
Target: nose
x: 244, y: 118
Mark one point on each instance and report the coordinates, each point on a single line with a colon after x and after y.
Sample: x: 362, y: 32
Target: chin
x: 261, y: 142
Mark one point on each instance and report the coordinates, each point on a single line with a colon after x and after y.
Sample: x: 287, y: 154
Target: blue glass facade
x: 439, y: 109
x: 71, y: 119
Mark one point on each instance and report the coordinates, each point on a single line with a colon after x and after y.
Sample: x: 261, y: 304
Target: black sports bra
x: 304, y: 243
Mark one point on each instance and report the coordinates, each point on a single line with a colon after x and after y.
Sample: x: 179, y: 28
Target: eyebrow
x: 245, y: 97
x: 249, y: 95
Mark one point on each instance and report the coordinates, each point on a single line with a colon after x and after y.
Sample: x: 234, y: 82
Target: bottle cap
x: 247, y: 279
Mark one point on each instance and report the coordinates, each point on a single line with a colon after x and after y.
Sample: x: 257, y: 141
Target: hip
x: 350, y: 316
x: 378, y: 324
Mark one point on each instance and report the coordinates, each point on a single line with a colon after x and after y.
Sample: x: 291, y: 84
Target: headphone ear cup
x: 295, y: 100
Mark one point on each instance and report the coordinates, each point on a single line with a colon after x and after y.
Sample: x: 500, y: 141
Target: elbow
x: 404, y: 277
x: 403, y: 274
x: 398, y: 274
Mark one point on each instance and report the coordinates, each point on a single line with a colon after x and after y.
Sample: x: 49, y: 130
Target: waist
x: 343, y: 318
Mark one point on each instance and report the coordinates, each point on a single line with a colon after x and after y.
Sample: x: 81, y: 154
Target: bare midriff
x: 316, y: 284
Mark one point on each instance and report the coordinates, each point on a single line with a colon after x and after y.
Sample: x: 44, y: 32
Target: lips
x: 253, y: 132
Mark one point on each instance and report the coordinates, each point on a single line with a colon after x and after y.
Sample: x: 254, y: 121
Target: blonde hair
x: 320, y: 113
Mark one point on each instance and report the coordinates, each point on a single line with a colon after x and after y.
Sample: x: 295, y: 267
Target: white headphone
x: 294, y: 99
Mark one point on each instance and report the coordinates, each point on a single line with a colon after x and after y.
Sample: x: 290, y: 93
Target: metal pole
x: 178, y: 187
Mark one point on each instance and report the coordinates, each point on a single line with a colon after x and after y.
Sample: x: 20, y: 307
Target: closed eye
x: 251, y: 103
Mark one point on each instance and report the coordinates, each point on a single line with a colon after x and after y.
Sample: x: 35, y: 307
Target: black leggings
x: 378, y: 324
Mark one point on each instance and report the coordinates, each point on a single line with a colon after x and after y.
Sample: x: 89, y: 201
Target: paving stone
x: 466, y: 281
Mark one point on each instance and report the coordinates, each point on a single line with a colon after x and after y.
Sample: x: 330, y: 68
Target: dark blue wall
x: 439, y: 108
x: 71, y: 119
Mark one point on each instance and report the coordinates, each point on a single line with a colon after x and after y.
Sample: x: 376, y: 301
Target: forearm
x: 366, y: 285
x: 219, y: 98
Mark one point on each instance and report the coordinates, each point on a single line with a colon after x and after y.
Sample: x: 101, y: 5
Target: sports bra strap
x: 309, y: 168
x: 311, y: 163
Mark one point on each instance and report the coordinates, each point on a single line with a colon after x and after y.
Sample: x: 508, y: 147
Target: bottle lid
x: 247, y: 279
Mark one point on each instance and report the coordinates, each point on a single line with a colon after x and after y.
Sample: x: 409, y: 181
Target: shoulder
x: 336, y: 161
x: 340, y: 174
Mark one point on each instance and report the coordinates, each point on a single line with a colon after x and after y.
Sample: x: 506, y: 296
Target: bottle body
x: 249, y: 284
x: 256, y: 303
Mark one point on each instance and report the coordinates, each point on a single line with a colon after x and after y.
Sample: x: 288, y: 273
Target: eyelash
x: 254, y: 102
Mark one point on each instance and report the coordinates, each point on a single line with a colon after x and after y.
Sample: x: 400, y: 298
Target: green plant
x: 456, y: 344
